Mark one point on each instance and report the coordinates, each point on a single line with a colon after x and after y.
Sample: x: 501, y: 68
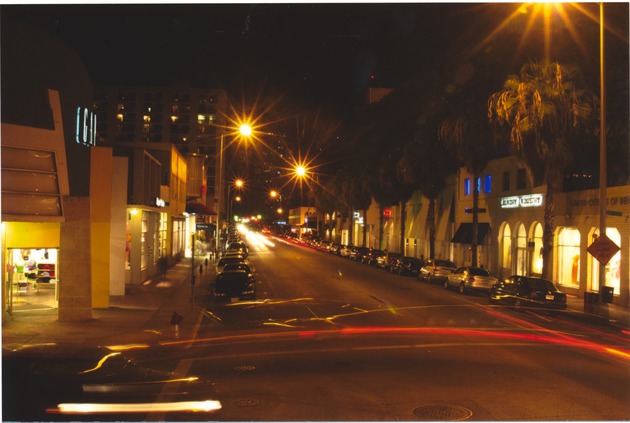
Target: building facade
x: 510, y: 229
x: 47, y: 155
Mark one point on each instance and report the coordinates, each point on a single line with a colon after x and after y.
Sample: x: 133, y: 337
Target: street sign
x: 603, y: 249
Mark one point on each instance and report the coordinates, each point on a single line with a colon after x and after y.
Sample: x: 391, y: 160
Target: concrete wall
x: 75, y: 265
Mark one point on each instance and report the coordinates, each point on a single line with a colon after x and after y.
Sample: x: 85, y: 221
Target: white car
x: 468, y: 278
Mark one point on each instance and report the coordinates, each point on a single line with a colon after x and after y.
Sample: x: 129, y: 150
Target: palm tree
x: 542, y: 108
x: 428, y: 165
x: 468, y: 137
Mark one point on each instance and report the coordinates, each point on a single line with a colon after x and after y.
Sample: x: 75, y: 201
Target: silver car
x: 436, y: 269
x: 470, y: 278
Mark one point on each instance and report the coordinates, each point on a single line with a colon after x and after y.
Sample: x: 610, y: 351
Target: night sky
x: 289, y: 60
x: 319, y: 55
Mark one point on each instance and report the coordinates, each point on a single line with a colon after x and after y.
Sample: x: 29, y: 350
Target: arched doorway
x: 521, y: 250
x: 568, y: 256
x: 505, y: 250
x: 535, y: 245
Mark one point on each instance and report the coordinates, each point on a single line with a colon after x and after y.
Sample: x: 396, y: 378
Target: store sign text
x: 86, y: 127
x: 531, y: 200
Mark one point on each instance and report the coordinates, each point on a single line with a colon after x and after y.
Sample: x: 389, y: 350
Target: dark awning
x: 464, y: 233
x: 198, y: 208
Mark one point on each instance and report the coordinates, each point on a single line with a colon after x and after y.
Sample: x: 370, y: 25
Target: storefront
x: 574, y: 269
x: 32, y: 278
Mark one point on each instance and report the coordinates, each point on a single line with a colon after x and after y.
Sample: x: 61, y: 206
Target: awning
x: 198, y: 208
x: 464, y: 233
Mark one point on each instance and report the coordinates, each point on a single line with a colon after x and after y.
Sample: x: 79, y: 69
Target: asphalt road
x: 328, y: 339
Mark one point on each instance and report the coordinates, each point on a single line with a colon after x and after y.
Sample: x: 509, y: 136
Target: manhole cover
x: 245, y: 368
x: 246, y: 402
x: 442, y: 412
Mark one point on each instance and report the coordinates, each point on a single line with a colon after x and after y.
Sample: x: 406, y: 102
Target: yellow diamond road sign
x: 603, y: 249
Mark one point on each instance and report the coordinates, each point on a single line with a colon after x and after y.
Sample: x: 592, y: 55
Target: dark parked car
x: 359, y: 253
x: 467, y: 278
x: 385, y: 262
x: 234, y: 284
x: 528, y: 291
x: 436, y: 270
x: 229, y: 259
x: 406, y: 266
x: 238, y: 266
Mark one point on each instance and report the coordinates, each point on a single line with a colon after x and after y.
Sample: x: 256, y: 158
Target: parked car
x: 229, y: 259
x: 359, y: 253
x: 406, y: 266
x: 436, y: 270
x: 237, y: 245
x: 468, y: 278
x: 528, y: 291
x: 344, y: 251
x: 334, y: 248
x: 385, y: 262
x: 233, y: 251
x: 372, y: 257
x: 234, y: 284
x: 238, y: 266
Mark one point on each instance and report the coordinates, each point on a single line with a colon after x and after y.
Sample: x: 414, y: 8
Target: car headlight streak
x: 147, y: 407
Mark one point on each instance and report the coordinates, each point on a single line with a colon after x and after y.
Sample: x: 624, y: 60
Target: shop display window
x: 32, y: 269
x: 569, y: 257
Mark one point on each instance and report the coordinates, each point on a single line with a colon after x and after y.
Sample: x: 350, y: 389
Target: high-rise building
x: 188, y: 117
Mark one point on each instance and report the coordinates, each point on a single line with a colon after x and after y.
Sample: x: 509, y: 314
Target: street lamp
x: 602, y: 143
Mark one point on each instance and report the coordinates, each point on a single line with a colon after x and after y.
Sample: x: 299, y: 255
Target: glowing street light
x: 300, y: 171
x: 245, y: 130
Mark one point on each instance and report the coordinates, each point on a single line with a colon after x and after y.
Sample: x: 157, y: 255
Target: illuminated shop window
x: 537, y: 261
x: 467, y: 186
x: 507, y: 248
x: 521, y: 250
x: 569, y: 256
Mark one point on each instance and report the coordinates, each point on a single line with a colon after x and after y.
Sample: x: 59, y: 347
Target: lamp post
x: 245, y: 130
x: 219, y: 200
x: 602, y: 144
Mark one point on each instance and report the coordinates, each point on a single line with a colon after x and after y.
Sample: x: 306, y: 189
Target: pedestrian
x: 176, y: 319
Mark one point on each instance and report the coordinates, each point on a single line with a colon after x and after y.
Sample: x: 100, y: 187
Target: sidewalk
x: 144, y: 314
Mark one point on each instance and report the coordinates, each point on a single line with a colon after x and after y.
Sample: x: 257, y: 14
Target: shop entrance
x: 32, y: 279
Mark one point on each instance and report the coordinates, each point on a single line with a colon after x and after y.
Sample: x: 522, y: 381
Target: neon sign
x: 86, y: 127
x: 530, y: 200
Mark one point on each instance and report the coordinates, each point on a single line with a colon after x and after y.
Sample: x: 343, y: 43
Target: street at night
x: 315, y: 211
x: 332, y: 339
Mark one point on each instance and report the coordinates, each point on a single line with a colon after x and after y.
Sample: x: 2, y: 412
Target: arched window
x: 536, y: 257
x: 569, y: 257
x: 521, y: 250
x: 506, y: 250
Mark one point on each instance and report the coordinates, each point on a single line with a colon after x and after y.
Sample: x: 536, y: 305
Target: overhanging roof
x: 464, y: 233
x: 198, y: 208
